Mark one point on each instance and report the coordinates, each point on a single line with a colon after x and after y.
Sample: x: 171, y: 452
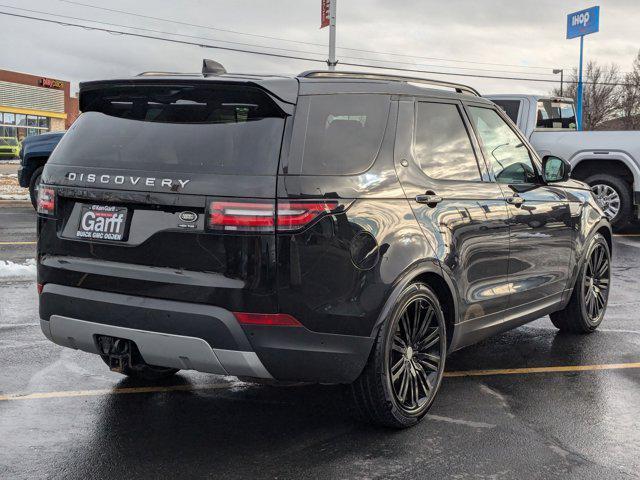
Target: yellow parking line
x: 524, y: 371
x: 18, y: 243
x: 214, y: 386
x: 111, y: 391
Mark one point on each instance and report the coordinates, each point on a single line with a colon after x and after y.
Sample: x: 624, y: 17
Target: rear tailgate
x: 140, y: 182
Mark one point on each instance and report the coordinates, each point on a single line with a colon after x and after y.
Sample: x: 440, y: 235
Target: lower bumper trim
x: 160, y: 349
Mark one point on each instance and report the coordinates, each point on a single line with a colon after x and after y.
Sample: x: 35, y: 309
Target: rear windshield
x: 194, y: 128
x: 552, y: 114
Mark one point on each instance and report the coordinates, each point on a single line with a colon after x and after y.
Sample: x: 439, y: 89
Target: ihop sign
x: 583, y: 22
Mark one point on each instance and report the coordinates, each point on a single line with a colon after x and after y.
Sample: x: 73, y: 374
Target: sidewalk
x: 9, y: 188
x: 9, y: 166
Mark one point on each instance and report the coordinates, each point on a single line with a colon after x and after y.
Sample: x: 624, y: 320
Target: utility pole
x: 561, y: 72
x: 580, y: 24
x: 332, y: 62
x: 579, y: 93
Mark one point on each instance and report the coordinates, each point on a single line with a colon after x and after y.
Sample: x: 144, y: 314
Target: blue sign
x: 583, y: 22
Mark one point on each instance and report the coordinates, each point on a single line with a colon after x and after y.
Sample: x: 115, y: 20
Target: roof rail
x: 394, y: 78
x: 164, y: 74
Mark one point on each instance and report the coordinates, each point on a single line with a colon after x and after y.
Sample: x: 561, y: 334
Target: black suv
x: 332, y: 227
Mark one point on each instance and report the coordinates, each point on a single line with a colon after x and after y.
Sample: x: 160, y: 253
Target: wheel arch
x: 617, y: 163
x: 432, y: 275
x: 605, y: 231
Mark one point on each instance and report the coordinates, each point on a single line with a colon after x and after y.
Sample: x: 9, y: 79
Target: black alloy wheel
x: 405, y: 368
x: 595, y: 283
x: 415, y: 356
x: 588, y: 301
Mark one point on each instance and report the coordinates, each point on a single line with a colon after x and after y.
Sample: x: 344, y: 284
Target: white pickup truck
x: 608, y: 161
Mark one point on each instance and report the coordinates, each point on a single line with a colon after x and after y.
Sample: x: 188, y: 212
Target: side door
x: 462, y: 213
x: 539, y: 214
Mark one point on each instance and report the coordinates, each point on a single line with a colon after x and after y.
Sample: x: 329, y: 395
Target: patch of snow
x: 18, y: 271
x: 15, y: 161
x: 12, y: 175
x: 14, y: 197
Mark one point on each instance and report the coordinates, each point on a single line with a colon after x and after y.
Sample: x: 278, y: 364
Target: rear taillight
x: 39, y: 286
x: 46, y: 201
x: 267, y: 319
x: 264, y: 216
x: 294, y: 215
x: 242, y: 216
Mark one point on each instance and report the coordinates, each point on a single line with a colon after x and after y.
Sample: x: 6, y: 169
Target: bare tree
x: 630, y: 98
x: 601, y: 93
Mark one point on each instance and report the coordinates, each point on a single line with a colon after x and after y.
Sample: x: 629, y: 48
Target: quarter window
x: 442, y: 145
x: 343, y: 133
x: 508, y: 156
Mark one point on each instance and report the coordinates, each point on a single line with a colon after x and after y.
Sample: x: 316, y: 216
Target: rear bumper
x: 199, y: 337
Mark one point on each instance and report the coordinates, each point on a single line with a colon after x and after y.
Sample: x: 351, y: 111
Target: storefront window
x: 20, y: 126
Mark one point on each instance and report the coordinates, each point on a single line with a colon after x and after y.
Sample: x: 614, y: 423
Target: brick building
x: 31, y: 104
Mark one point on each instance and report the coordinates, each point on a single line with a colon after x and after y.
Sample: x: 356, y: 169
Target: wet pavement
x: 82, y: 421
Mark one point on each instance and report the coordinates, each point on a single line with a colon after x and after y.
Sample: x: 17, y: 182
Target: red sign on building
x: 51, y: 83
x: 325, y: 14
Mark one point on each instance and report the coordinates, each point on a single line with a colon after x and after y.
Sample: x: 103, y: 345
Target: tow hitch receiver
x: 117, y: 352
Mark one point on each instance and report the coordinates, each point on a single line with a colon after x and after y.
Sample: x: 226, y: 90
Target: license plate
x: 102, y: 222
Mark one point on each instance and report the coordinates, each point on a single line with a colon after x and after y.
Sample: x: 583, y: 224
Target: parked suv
x: 34, y: 153
x: 331, y: 227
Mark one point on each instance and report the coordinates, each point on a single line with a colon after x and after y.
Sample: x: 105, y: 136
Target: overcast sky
x: 517, y: 34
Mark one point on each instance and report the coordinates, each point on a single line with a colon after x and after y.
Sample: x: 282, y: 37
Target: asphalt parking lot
x: 530, y: 403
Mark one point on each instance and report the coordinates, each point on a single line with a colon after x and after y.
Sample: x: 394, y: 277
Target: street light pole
x: 561, y: 72
x: 332, y: 62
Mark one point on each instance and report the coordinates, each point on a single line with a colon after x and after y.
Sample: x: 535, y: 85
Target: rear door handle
x: 429, y: 198
x: 516, y: 200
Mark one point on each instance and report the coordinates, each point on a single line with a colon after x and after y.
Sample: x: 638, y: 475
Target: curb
x: 14, y: 203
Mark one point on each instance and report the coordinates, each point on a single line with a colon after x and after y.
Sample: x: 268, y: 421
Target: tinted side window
x: 343, y: 133
x: 509, y: 157
x: 442, y: 146
x: 510, y: 107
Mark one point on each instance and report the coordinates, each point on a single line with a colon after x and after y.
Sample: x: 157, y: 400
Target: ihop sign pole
x: 580, y: 24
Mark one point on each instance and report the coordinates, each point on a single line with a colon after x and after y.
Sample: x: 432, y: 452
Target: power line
x: 235, y: 32
x: 474, y: 69
x: 291, y: 57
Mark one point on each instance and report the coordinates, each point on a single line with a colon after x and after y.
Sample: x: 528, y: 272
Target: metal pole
x: 561, y: 72
x: 579, y: 94
x: 332, y: 62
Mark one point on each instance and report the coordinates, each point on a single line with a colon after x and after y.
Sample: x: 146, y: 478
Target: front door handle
x: 516, y: 200
x: 430, y: 199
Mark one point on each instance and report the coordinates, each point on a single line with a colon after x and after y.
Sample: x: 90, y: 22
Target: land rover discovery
x: 332, y: 227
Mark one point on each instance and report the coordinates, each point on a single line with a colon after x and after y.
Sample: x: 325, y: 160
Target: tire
x: 375, y: 397
x: 33, y: 186
x: 623, y: 190
x: 578, y: 316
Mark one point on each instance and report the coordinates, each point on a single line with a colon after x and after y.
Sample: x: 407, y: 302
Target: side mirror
x: 555, y: 169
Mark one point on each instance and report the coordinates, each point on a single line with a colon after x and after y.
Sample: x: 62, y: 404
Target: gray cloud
x: 495, y: 31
